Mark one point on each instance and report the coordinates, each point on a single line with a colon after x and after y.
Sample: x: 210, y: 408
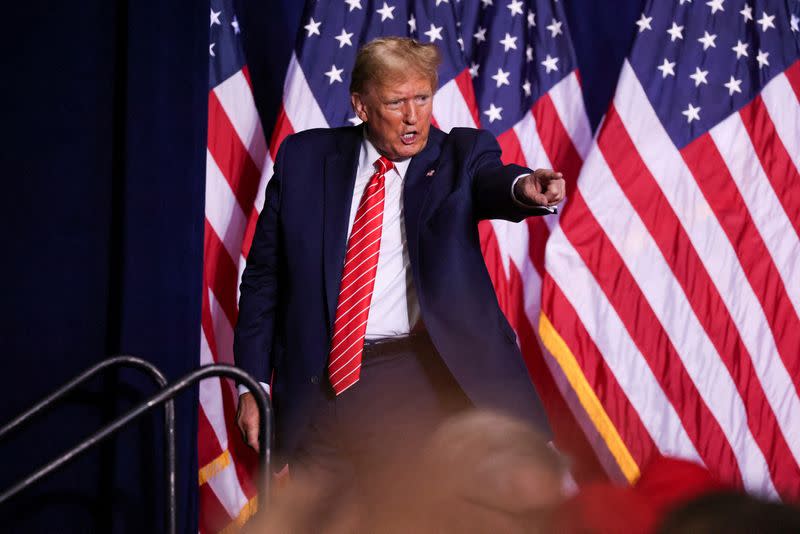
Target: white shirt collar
x: 369, y: 154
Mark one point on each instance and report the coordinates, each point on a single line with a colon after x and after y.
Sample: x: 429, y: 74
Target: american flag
x: 508, y: 65
x: 671, y: 291
x: 237, y: 165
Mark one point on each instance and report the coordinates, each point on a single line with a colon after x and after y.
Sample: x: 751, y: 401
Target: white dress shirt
x: 394, y: 308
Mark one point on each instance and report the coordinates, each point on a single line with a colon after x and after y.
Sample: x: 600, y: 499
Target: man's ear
x: 358, y: 106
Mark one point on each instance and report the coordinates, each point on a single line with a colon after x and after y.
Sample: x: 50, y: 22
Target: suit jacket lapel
x: 340, y: 177
x: 418, y: 182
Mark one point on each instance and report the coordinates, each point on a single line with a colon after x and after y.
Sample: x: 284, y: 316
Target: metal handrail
x: 169, y: 418
x: 165, y: 395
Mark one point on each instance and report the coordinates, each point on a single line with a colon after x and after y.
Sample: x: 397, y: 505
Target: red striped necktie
x: 358, y: 281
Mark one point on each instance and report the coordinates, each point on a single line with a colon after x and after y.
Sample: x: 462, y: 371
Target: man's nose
x: 410, y: 113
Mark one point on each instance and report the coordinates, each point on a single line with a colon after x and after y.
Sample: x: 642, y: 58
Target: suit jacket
x: 290, y: 286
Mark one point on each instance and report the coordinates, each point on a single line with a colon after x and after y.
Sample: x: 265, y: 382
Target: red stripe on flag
x: 208, y: 446
x: 283, y: 128
x: 231, y: 155
x: 556, y: 142
x: 615, y: 402
x: 246, y: 74
x: 220, y: 273
x: 712, y: 176
x: 641, y: 322
x: 774, y: 158
x: 793, y: 74
x: 212, y: 517
x: 664, y: 226
x: 464, y: 83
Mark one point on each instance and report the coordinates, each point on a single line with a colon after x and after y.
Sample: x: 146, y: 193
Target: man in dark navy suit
x: 366, y: 302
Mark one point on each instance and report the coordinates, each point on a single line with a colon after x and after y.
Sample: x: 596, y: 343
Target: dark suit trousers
x: 363, y: 443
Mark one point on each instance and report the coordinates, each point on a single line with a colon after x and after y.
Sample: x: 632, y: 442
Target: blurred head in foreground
x: 732, y: 512
x: 487, y: 472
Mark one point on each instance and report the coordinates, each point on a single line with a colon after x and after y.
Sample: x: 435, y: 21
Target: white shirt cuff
x: 242, y: 389
x: 518, y: 202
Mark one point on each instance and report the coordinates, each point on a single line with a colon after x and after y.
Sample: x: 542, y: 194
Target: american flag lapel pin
x: 430, y: 172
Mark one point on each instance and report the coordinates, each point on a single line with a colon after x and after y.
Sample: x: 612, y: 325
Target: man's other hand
x: 543, y: 187
x: 247, y: 419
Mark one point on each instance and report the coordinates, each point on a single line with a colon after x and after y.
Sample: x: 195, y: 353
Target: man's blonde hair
x: 388, y: 59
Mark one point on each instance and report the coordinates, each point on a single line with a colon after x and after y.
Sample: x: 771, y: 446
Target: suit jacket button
x: 315, y: 380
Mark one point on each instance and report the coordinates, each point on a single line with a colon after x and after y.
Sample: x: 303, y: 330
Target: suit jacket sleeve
x: 492, y: 183
x: 255, y: 329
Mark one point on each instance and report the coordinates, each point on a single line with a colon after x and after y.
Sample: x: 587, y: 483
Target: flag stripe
x: 235, y: 98
x: 705, y: 161
x: 777, y: 165
x: 231, y: 155
x: 615, y: 348
x: 221, y: 274
x: 777, y: 97
x: 707, y: 306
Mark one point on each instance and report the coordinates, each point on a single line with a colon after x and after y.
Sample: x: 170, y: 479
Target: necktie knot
x: 383, y: 165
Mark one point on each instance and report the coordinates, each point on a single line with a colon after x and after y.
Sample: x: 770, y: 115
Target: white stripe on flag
x: 780, y: 100
x: 299, y: 102
x: 211, y: 397
x: 450, y: 109
x: 226, y: 487
x: 568, y: 101
x: 620, y: 353
x: 222, y: 210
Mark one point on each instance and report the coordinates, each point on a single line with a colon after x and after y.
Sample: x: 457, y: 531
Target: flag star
x: 486, y: 3
x: 733, y: 86
x: 667, y: 68
x: 686, y: 2
x: 334, y: 74
x: 354, y: 4
x: 386, y: 12
x: 354, y: 120
x: 699, y: 76
x: 441, y: 2
x: 460, y: 42
x: 529, y: 53
x: 692, y: 113
x: 715, y: 5
x: 747, y: 12
x: 527, y: 88
x: 766, y: 21
x: 344, y: 38
x: 215, y: 18
x: 473, y: 70
x: 493, y: 113
x: 312, y: 27
x: 762, y: 59
x: 676, y: 32
x: 515, y: 7
x: 740, y: 49
x: 501, y: 77
x: 235, y: 25
x: 549, y: 63
x: 644, y: 23
x: 531, y: 19
x: 794, y: 23
x: 211, y: 49
x: 508, y: 42
x: 412, y: 24
x: 554, y: 27
x: 480, y: 35
x: 708, y: 40
x: 434, y: 33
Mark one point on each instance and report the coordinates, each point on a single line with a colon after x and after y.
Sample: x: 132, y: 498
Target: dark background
x: 103, y: 160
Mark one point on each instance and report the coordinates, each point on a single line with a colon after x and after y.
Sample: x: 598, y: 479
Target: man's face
x: 398, y: 115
